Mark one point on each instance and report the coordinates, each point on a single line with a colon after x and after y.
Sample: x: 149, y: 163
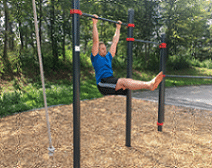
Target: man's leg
x: 127, y: 83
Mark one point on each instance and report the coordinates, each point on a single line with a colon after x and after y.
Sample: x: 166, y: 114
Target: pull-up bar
x: 76, y: 11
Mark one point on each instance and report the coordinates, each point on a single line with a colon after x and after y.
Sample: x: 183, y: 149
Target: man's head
x: 102, y: 49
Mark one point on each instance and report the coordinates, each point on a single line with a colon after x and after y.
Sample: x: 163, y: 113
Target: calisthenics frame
x: 76, y: 75
x: 76, y: 78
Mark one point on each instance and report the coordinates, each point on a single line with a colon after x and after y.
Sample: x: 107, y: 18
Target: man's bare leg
x: 127, y: 83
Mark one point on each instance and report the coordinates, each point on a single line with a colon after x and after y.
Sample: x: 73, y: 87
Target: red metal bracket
x: 75, y: 11
x: 130, y: 25
x: 162, y: 45
x: 130, y: 39
x: 159, y: 124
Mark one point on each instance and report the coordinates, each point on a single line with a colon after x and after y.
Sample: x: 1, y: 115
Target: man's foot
x: 156, y: 81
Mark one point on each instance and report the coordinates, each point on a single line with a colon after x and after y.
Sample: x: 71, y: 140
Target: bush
x: 10, y: 103
x: 177, y: 62
x: 27, y: 59
x: 152, y: 64
x: 207, y: 64
x: 85, y: 60
x: 119, y: 62
x: 196, y: 63
x: 1, y: 67
x: 47, y: 62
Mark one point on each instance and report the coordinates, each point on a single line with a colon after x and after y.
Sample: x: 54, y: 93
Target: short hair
x: 100, y: 43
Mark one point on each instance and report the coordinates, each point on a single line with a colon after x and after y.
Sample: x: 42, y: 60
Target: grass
x: 193, y: 71
x: 60, y: 91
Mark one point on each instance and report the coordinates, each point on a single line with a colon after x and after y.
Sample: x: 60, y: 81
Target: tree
x: 6, y: 62
x: 186, y: 26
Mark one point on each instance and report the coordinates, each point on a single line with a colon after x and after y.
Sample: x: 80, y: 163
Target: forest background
x: 186, y: 23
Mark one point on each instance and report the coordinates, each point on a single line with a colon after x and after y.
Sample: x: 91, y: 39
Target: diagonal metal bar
x: 187, y: 76
x: 143, y: 41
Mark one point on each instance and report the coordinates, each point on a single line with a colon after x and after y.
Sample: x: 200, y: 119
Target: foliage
x: 1, y: 66
x: 178, y: 62
x: 187, y: 27
x: 206, y: 63
x: 185, y: 22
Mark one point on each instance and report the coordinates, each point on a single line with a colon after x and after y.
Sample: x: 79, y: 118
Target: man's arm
x: 95, y: 47
x: 115, y: 39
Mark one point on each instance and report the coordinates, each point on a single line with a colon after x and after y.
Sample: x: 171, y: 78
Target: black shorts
x: 107, y: 87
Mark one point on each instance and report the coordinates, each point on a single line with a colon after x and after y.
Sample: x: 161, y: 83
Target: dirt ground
x: 186, y: 140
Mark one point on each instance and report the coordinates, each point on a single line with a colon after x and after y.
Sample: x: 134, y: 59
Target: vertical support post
x: 129, y: 75
x: 76, y: 84
x: 162, y: 85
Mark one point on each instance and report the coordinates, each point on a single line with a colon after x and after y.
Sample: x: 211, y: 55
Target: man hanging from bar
x: 102, y: 63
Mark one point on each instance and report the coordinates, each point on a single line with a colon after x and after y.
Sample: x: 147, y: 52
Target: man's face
x: 102, y: 50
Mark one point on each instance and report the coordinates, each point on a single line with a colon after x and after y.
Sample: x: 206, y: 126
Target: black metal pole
x: 76, y: 84
x: 104, y: 19
x: 129, y: 75
x: 187, y: 76
x: 161, y: 86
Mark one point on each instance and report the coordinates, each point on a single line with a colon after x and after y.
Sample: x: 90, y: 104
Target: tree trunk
x: 19, y: 24
x: 169, y: 30
x: 64, y: 36
x: 32, y: 43
x: 40, y: 22
x: 148, y: 50
x: 5, y: 55
x: 146, y: 57
x: 11, y: 37
x: 26, y: 39
x: 53, y: 39
x: 6, y: 30
x: 21, y: 35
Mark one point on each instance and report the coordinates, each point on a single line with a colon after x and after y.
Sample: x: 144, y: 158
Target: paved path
x: 199, y: 97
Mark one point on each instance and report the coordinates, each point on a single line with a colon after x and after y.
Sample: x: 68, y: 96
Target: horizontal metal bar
x: 108, y: 20
x: 184, y: 76
x: 143, y: 41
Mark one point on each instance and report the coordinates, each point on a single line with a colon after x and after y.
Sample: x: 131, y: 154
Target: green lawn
x: 61, y: 91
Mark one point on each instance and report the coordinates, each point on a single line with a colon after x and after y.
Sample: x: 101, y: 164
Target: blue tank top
x: 102, y: 66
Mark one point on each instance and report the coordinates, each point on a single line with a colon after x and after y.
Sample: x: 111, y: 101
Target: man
x: 102, y: 63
